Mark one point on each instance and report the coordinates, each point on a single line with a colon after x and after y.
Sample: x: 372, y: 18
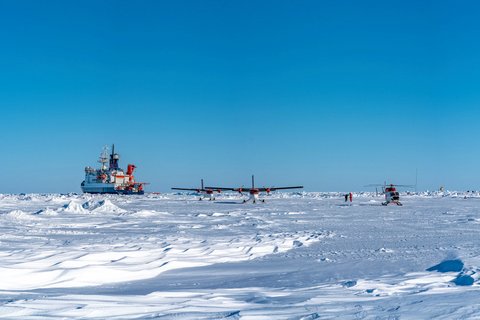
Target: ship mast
x: 114, y: 157
x: 104, y: 158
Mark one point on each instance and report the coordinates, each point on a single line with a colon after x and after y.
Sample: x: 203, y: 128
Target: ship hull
x: 105, y: 188
x: 116, y: 192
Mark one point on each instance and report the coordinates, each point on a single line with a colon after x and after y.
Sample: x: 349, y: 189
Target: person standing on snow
x: 351, y: 197
x: 346, y: 197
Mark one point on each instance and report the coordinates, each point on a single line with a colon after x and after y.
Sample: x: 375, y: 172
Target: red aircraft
x: 255, y: 192
x: 205, y: 192
x: 391, y: 193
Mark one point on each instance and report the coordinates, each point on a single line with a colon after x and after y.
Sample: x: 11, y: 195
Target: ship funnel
x: 130, y: 169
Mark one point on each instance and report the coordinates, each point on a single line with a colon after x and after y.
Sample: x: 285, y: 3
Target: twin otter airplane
x: 255, y: 192
x: 209, y: 192
x: 204, y: 192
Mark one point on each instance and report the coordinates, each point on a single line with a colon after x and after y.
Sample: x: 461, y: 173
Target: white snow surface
x: 297, y: 256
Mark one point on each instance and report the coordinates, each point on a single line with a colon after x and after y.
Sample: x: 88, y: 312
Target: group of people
x: 348, y: 196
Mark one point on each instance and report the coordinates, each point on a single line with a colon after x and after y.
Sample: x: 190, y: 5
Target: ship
x: 111, y: 179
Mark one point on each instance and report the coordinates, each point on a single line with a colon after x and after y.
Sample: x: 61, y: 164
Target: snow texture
x: 297, y: 256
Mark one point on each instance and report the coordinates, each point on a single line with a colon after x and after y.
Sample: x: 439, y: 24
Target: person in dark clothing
x: 346, y: 197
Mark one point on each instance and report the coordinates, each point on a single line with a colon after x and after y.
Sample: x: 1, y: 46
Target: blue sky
x: 329, y: 94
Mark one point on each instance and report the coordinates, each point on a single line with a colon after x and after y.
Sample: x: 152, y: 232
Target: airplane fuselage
x: 208, y: 194
x: 254, y: 196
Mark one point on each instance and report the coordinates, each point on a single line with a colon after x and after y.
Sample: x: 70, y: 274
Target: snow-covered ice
x: 297, y: 256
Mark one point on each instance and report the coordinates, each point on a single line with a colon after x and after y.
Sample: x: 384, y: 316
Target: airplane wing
x: 187, y: 189
x: 229, y: 189
x: 280, y: 188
